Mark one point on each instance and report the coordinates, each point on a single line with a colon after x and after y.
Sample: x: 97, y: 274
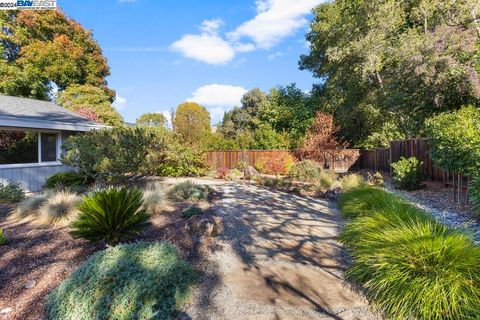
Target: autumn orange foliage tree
x: 321, y: 140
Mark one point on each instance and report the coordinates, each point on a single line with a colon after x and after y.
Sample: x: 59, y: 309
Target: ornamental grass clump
x: 111, y: 214
x: 351, y: 181
x: 189, y: 191
x: 154, y: 198
x: 129, y: 281
x: 30, y: 205
x: 59, y: 207
x: 409, y: 265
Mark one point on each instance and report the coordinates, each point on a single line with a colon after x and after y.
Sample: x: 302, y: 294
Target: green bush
x: 408, y: 264
x: 3, y: 238
x: 113, y: 153
x: 189, y: 191
x: 474, y: 189
x: 180, y: 160
x: 131, y: 281
x: 111, y: 214
x: 11, y: 193
x: 327, y: 179
x: 307, y: 171
x: 407, y: 173
x: 69, y: 179
x: 455, y: 140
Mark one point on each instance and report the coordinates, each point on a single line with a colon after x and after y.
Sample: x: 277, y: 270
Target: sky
x: 164, y: 52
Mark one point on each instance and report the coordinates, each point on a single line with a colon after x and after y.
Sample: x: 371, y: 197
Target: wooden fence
x: 340, y: 160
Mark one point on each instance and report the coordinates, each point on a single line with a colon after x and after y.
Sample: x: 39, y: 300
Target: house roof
x: 29, y: 113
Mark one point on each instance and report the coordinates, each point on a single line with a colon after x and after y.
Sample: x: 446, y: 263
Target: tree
x: 321, y: 139
x: 43, y: 49
x: 79, y: 98
x: 391, y: 61
x: 192, y: 123
x: 152, y: 120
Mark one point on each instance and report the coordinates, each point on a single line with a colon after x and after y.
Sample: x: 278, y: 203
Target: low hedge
x: 409, y: 265
x: 131, y: 281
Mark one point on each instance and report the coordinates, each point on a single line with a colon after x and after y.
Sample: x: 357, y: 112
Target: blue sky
x: 162, y: 53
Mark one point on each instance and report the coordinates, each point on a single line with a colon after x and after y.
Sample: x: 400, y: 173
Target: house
x: 31, y: 135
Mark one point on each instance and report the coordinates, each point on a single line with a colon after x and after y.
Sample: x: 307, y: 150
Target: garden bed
x: 37, y: 259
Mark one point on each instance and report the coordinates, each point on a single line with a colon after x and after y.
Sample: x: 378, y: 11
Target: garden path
x: 278, y: 258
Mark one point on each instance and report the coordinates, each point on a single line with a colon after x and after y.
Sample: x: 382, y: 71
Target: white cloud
x: 222, y: 95
x: 218, y: 98
x: 274, y: 55
x: 207, y: 47
x: 275, y: 20
x: 168, y: 115
x: 119, y: 102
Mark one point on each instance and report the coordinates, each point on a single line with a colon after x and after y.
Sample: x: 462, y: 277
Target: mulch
x: 48, y: 255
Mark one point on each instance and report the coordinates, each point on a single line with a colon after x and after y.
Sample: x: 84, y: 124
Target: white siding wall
x: 31, y: 179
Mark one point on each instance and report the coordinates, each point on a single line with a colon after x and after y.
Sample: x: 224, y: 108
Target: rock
x: 6, y: 310
x: 30, y: 284
x: 250, y: 173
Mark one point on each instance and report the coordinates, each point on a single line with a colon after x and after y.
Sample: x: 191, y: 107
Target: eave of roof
x: 15, y: 122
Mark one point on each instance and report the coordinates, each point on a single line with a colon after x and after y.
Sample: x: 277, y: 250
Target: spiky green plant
x: 3, y: 238
x: 409, y: 265
x: 111, y: 214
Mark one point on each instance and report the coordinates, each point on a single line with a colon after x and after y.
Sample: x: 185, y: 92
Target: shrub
x: 474, y: 189
x: 111, y: 214
x: 241, y: 165
x: 189, y: 191
x: 221, y: 173
x: 3, y: 238
x: 30, y: 205
x: 233, y: 174
x: 61, y: 205
x: 306, y: 170
x: 275, y: 164
x: 112, y: 153
x: 180, y: 160
x: 378, y: 179
x: 11, y: 193
x: 407, y: 173
x: 352, y: 181
x: 130, y: 281
x: 408, y: 264
x: 455, y: 140
x: 153, y: 198
x: 69, y: 179
x: 191, y: 211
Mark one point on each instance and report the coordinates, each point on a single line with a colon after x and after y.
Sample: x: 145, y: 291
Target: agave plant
x: 111, y: 214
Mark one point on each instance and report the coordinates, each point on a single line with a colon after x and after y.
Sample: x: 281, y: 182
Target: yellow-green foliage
x: 3, y: 238
x: 409, y: 265
x: 351, y: 181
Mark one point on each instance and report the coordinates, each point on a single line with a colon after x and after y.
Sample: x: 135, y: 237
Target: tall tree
x: 393, y: 61
x: 45, y: 49
x: 192, y: 123
x: 79, y: 98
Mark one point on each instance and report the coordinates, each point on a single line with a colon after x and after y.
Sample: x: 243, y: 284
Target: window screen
x: 49, y: 147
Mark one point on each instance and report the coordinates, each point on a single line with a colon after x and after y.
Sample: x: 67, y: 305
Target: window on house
x: 18, y: 147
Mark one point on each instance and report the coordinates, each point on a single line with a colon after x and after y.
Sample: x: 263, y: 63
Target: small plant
x: 306, y: 171
x: 327, y: 179
x: 3, y: 238
x: 128, y: 281
x: 11, y: 193
x: 191, y: 211
x: 407, y: 173
x: 474, y: 189
x: 352, y: 181
x: 69, y: 179
x: 241, y: 165
x: 221, y: 173
x: 153, y: 199
x: 233, y: 174
x: 112, y: 214
x: 378, y: 179
x: 30, y: 205
x: 189, y: 191
x: 61, y: 205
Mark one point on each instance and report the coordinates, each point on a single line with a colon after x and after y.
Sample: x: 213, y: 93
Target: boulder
x: 250, y: 173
